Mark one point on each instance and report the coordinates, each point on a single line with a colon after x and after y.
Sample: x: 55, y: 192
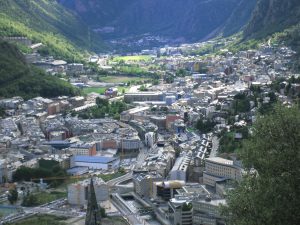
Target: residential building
x: 217, y: 169
x: 143, y: 97
x: 150, y: 139
x: 143, y: 183
x: 180, y: 168
x: 207, y: 212
x: 88, y: 149
x: 180, y: 211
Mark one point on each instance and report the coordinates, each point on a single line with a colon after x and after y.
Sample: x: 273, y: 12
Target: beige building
x: 217, y: 169
x: 88, y: 149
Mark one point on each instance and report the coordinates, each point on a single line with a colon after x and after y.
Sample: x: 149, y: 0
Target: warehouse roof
x: 94, y: 159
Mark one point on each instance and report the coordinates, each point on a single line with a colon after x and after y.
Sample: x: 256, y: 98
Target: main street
x: 215, y: 146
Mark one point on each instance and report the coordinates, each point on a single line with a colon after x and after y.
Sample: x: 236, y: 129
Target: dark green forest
x: 17, y: 78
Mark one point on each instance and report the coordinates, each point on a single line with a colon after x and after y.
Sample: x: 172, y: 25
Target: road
x: 215, y: 147
x: 132, y: 219
x: 140, y: 159
x: 118, y: 180
x: 142, y: 156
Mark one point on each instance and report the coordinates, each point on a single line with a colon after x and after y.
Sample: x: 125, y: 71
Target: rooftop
x: 94, y: 159
x: 220, y: 161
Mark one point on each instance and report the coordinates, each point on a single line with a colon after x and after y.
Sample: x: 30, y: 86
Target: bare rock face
x: 270, y: 16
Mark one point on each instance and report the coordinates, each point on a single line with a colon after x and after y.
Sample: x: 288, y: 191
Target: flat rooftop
x: 94, y: 159
x: 143, y: 93
x: 220, y: 161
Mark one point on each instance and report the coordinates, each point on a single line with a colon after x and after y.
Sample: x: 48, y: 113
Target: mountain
x: 239, y: 18
x: 98, y: 12
x: 271, y: 16
x: 46, y: 21
x: 17, y: 78
x: 190, y: 20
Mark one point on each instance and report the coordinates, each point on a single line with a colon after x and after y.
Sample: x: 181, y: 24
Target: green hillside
x: 46, y: 21
x: 19, y: 79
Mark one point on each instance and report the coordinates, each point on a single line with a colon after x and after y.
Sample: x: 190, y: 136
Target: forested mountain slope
x: 46, y: 21
x: 17, y: 78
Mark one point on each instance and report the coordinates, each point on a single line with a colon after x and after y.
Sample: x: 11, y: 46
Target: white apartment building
x: 180, y: 168
x: 217, y: 169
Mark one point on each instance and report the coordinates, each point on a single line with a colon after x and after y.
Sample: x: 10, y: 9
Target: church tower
x: 93, y: 214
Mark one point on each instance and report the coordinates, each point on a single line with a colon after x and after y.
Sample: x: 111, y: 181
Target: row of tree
x: 105, y: 108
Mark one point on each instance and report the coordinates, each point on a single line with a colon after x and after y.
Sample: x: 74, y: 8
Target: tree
x: 205, y: 126
x: 47, y: 168
x: 241, y: 103
x: 12, y: 196
x: 155, y: 82
x: 181, y: 72
x: 269, y: 193
x: 103, y: 212
x: 30, y: 200
x: 143, y: 88
x: 2, y: 112
x: 102, y: 102
x: 122, y: 170
x: 187, y: 207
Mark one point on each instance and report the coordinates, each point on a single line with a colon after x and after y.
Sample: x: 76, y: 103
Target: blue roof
x: 93, y: 159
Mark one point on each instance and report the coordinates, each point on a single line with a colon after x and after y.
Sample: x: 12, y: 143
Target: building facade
x: 217, y: 169
x: 78, y: 192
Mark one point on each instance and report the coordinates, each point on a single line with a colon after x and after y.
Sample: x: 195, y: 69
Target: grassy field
x: 115, y: 79
x: 41, y: 220
x: 45, y: 197
x: 107, y: 177
x: 99, y: 90
x: 134, y: 58
x: 120, y: 79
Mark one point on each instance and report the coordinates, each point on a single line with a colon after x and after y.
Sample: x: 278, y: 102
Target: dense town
x: 154, y: 134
